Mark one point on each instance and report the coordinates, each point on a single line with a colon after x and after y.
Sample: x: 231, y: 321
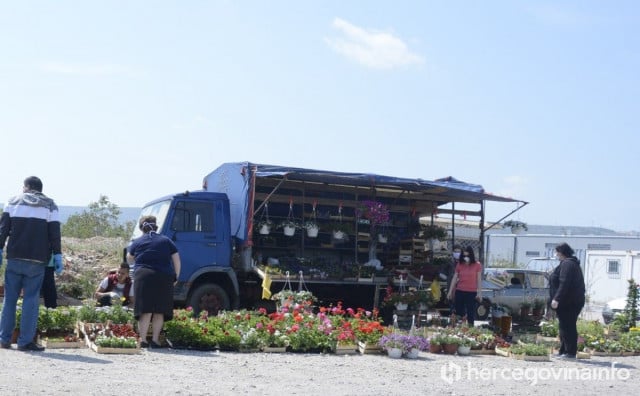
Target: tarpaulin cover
x: 234, y: 179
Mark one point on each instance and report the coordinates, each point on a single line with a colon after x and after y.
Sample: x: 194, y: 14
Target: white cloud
x: 375, y: 49
x: 82, y: 69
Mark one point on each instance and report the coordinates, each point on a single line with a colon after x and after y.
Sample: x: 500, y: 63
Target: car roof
x: 529, y: 271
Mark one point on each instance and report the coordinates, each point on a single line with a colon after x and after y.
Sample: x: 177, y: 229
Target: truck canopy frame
x: 424, y: 196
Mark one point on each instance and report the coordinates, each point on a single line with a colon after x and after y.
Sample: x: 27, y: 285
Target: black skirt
x: 153, y: 291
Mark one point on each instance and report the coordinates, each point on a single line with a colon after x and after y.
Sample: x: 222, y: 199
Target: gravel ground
x: 179, y: 372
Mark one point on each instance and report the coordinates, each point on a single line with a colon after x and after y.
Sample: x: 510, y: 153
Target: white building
x: 606, y: 273
x: 521, y: 248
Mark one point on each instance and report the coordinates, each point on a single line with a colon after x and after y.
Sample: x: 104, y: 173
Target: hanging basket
x: 339, y: 235
x: 265, y: 229
x: 382, y: 238
x: 289, y: 231
x: 401, y: 306
x: 312, y: 231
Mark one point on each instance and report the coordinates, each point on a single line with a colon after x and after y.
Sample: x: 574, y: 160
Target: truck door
x: 193, y: 230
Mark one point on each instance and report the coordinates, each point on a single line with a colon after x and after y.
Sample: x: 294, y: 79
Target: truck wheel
x: 209, y: 297
x: 482, y: 310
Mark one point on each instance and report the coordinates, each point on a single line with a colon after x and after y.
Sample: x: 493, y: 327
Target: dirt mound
x: 86, y: 262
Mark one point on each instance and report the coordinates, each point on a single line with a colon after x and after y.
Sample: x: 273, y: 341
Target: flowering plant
x: 290, y: 223
x: 369, y: 332
x: 404, y: 342
x: 393, y: 340
x: 294, y: 299
x: 376, y: 212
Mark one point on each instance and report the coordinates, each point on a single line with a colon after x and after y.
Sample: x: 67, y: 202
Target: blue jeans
x: 27, y: 276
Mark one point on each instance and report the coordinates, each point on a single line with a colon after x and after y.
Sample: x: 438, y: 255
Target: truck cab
x: 198, y: 223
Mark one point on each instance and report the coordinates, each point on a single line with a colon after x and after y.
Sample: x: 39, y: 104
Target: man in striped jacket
x: 31, y: 223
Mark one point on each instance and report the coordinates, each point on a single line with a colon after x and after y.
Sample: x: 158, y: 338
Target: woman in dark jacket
x: 567, y: 290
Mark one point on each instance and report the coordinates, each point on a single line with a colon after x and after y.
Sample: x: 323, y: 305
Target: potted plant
x: 450, y: 344
x: 422, y: 299
x: 525, y: 307
x: 289, y: 226
x: 264, y: 226
x: 340, y: 229
x: 465, y: 345
x: 416, y: 344
x: 432, y: 231
x: 435, y: 343
x: 394, y: 344
x: 400, y: 300
x: 516, y: 226
x: 294, y: 299
x: 538, y: 307
x: 312, y: 228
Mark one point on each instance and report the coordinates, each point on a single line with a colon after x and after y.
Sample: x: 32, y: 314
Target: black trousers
x: 48, y: 290
x: 568, y: 331
x: 466, y: 305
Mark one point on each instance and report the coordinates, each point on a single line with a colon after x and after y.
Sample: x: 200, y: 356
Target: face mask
x: 467, y: 259
x: 456, y: 255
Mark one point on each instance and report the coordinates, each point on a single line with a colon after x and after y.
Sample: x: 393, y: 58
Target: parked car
x: 613, y: 308
x: 511, y: 287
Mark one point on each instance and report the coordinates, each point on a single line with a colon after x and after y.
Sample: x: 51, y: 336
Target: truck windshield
x: 159, y: 209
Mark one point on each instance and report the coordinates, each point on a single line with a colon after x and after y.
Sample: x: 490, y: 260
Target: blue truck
x: 225, y: 257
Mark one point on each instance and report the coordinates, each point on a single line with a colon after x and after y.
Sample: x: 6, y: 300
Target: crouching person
x: 117, y: 285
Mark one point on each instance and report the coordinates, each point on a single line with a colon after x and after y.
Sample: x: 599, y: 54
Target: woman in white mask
x: 466, y: 285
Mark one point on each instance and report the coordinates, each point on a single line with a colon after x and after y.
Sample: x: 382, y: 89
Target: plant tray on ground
x: 502, y: 352
x: 482, y: 352
x: 366, y: 349
x: 274, y: 349
x: 601, y: 353
x: 544, y: 358
x: 541, y: 338
x: 346, y: 349
x: 61, y: 343
x: 122, y: 351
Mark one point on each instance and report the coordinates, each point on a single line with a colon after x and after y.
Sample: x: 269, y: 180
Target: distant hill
x: 127, y: 214
x: 562, y: 230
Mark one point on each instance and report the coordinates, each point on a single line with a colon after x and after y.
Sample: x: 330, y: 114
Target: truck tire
x: 209, y: 297
x: 483, y: 309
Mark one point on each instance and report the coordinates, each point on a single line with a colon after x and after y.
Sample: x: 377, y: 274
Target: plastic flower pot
x: 312, y: 231
x: 289, y: 231
x: 338, y: 235
x: 464, y: 350
x: 394, y: 353
x: 265, y: 229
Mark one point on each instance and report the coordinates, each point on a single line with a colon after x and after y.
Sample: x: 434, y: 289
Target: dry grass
x: 86, y: 262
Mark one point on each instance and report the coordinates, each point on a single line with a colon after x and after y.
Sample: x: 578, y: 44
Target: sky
x: 535, y: 100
